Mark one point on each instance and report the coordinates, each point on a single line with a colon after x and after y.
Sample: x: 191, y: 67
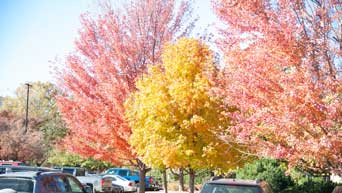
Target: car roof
x: 229, y: 181
x: 118, y: 169
x: 69, y: 167
x: 28, y: 174
x: 25, y: 168
x: 31, y: 174
x: 113, y: 175
x: 28, y: 167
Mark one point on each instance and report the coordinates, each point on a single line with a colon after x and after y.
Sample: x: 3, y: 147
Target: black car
x: 41, y: 182
x: 236, y: 186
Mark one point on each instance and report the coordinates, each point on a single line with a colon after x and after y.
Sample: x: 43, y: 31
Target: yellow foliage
x: 175, y: 122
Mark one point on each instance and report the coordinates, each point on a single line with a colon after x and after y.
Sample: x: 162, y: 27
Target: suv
x: 75, y: 171
x: 236, y: 186
x: 40, y: 182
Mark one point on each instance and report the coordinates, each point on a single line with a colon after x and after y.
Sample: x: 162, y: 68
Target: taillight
x: 102, y: 182
x: 151, y: 180
x: 130, y: 184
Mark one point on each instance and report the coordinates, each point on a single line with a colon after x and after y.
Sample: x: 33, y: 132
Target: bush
x: 311, y: 187
x: 269, y: 170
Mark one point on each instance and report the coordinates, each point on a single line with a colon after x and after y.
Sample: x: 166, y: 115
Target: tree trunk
x: 181, y: 180
x: 143, y: 169
x: 165, y: 181
x: 191, y: 180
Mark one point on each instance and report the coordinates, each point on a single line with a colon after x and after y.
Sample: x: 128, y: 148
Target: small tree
x: 174, y: 120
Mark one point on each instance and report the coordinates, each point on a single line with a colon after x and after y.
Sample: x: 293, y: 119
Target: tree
x: 1, y: 99
x: 17, y: 145
x: 269, y: 170
x: 174, y: 121
x: 283, y: 73
x: 112, y: 51
x: 61, y: 158
x: 42, y: 109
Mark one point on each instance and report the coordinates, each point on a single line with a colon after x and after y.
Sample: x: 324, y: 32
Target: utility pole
x: 27, y: 104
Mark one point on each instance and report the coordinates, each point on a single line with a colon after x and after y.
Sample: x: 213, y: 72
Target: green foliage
x: 42, y: 108
x: 314, y: 186
x: 61, y: 158
x: 1, y: 99
x: 266, y: 169
x: 273, y: 172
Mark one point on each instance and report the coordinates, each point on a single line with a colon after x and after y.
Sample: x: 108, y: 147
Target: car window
x: 80, y: 172
x: 224, y: 188
x: 122, y: 173
x: 47, y: 184
x: 74, y: 185
x: 68, y: 171
x: 54, y: 184
x: 112, y: 178
x: 62, y: 184
x: 20, y: 185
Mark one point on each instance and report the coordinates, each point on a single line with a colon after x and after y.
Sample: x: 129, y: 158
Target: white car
x: 129, y: 186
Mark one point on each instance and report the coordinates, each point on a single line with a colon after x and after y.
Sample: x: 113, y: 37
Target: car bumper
x: 130, y: 189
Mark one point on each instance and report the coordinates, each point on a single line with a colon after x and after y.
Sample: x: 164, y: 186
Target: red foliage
x: 283, y: 72
x: 113, y: 50
x: 17, y: 145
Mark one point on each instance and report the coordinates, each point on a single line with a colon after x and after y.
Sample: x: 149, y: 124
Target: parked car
x: 9, y: 169
x: 97, y: 182
x: 75, y: 171
x: 11, y: 163
x: 337, y: 189
x: 236, y: 186
x: 131, y: 175
x: 128, y: 186
x: 40, y: 182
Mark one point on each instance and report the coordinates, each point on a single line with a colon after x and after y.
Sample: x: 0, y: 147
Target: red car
x: 236, y: 185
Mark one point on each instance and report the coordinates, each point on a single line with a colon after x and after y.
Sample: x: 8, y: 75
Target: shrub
x: 311, y: 187
x: 269, y: 170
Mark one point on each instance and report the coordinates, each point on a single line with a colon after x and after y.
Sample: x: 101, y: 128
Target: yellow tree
x: 175, y: 122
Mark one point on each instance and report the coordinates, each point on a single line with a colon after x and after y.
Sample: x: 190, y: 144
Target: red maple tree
x: 112, y: 51
x: 283, y: 71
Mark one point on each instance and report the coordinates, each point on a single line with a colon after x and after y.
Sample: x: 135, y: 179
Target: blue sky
x: 34, y: 32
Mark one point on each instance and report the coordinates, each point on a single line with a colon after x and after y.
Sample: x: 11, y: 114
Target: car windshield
x: 225, y: 188
x: 19, y: 185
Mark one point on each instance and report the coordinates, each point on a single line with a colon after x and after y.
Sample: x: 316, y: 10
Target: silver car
x: 40, y: 182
